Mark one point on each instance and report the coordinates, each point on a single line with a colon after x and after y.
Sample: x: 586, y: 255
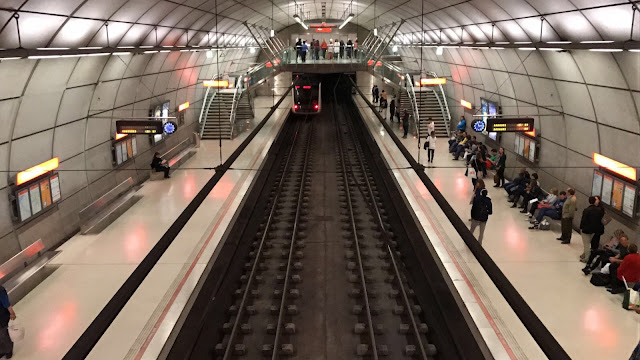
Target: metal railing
x: 237, y: 93
x: 205, y: 109
x: 414, y: 101
x: 442, y: 101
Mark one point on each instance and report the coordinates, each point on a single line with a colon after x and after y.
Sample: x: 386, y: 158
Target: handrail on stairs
x: 234, y: 103
x: 444, y: 106
x: 205, y: 109
x: 408, y: 83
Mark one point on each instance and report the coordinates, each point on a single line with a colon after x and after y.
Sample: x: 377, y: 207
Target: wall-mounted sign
x: 478, y: 125
x: 509, y: 124
x: 38, y: 170
x: 617, y: 193
x: 139, y: 126
x: 323, y: 30
x: 169, y: 127
x: 36, y: 196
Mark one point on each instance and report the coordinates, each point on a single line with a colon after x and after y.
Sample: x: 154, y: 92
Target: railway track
x: 322, y: 265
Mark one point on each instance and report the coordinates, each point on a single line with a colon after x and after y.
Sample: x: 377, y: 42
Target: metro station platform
x: 91, y: 268
x: 587, y: 321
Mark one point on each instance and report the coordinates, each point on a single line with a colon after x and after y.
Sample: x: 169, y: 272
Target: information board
x: 509, y: 124
x: 55, y: 188
x: 139, y: 126
x: 629, y: 201
x: 45, y: 193
x: 34, y: 196
x: 596, y: 186
x: 616, y: 195
x: 24, y: 206
x: 607, y: 186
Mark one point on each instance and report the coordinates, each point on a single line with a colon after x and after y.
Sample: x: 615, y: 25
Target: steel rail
x: 274, y: 355
x: 234, y: 331
x: 374, y: 206
x: 356, y: 242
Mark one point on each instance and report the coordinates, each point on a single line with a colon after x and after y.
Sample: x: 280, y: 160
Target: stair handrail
x: 444, y: 106
x: 205, y: 110
x: 234, y: 103
x: 414, y: 101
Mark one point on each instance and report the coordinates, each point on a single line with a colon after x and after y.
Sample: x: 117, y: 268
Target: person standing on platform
x: 324, y: 48
x: 405, y: 123
x: 6, y: 314
x: 481, y: 208
x: 303, y: 51
x: 591, y: 226
x: 316, y: 49
x: 392, y: 109
x: 355, y: 48
x: 568, y: 212
x: 349, y: 48
x: 341, y: 49
x: 430, y: 146
x: 376, y: 93
x: 462, y: 125
x: 336, y: 49
x: 298, y: 49
x: 500, y: 164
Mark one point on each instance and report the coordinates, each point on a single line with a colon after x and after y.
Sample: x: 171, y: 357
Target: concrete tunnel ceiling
x: 67, y: 107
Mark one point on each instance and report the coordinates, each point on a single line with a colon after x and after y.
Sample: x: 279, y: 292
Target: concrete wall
x: 593, y: 100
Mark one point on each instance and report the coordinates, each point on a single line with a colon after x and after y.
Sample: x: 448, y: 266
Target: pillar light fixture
x: 346, y: 21
x: 273, y: 33
x: 299, y: 21
x: 375, y: 32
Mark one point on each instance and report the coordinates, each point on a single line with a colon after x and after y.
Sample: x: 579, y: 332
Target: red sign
x: 323, y: 30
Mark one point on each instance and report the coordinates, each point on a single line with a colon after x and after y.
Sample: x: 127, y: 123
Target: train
x: 307, y: 94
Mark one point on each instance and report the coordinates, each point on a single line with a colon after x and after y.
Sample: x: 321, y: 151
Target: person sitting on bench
x: 554, y: 212
x: 159, y: 165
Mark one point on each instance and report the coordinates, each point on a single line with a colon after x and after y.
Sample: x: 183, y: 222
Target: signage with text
x: 509, y: 124
x: 139, y: 126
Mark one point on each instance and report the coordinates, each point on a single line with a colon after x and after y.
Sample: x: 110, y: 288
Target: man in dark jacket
x: 481, y: 208
x: 392, y: 109
x: 159, y: 165
x: 405, y: 123
x: 590, y: 225
x: 298, y: 49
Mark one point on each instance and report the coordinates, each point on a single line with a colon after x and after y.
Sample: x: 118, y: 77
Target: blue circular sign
x: 169, y: 127
x: 478, y: 125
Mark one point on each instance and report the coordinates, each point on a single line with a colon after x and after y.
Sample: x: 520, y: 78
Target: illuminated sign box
x: 216, y: 83
x: 139, y: 127
x: 465, y: 104
x: 36, y: 171
x: 433, y: 81
x: 183, y: 107
x: 509, y: 124
x: 615, y: 166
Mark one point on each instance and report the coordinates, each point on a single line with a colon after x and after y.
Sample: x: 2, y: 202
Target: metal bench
x: 107, y: 208
x: 176, y: 156
x: 23, y: 272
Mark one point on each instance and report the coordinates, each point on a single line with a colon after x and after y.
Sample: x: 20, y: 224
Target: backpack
x: 483, y: 208
x: 599, y: 279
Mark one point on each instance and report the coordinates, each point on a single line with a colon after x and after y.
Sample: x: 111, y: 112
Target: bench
x: 107, y: 208
x: 23, y: 272
x: 176, y: 156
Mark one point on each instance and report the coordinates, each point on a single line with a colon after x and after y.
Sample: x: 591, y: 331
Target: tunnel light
x: 146, y: 46
x: 551, y: 49
x: 122, y: 53
x: 252, y: 50
x: 299, y: 21
x: 465, y: 104
x: 40, y: 169
x: 90, y: 48
x: 165, y: 51
x: 433, y: 81
x: 10, y: 58
x: 606, y: 50
x: 617, y: 167
x: 502, y: 43
x: 272, y: 33
x: 216, y: 83
x: 527, y: 48
x: 209, y: 54
x: 439, y: 51
x: 62, y: 48
x: 522, y: 42
x: 44, y: 57
x: 375, y: 32
x: 634, y: 50
x: 596, y: 42
x: 346, y: 21
x: 150, y: 52
x: 126, y: 47
x: 559, y: 42
x: 395, y: 48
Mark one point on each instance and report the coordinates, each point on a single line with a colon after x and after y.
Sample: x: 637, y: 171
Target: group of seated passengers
x: 623, y: 263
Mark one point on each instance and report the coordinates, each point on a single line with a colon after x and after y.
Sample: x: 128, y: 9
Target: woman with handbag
x: 430, y: 146
x: 6, y: 314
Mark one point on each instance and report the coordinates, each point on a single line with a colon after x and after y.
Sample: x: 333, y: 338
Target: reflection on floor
x: 587, y: 321
x: 93, y: 267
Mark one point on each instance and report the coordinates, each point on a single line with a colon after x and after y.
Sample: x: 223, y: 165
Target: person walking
x: 383, y: 106
x: 430, y: 146
x: 405, y: 123
x: 376, y: 93
x: 481, y: 208
x: 568, y: 212
x: 500, y: 164
x: 392, y: 109
x: 591, y: 226
x: 6, y: 314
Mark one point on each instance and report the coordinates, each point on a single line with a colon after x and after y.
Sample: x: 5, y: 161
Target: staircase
x: 429, y: 110
x: 217, y: 123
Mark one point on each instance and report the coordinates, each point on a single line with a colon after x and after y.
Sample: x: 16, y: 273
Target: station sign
x: 139, y: 126
x: 509, y: 124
